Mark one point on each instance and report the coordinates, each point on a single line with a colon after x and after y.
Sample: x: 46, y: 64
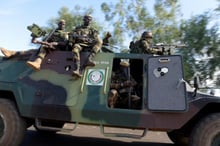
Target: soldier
x: 106, y: 40
x: 106, y: 46
x: 85, y: 38
x: 58, y: 40
x: 143, y: 45
x: 122, y: 88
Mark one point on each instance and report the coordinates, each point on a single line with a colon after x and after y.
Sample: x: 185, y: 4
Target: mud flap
x: 166, y: 87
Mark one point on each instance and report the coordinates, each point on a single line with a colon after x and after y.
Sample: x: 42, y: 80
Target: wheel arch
x: 8, y: 95
x: 206, y: 110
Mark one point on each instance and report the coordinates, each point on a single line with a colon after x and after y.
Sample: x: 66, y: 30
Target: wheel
x: 12, y: 126
x: 178, y: 138
x: 207, y: 131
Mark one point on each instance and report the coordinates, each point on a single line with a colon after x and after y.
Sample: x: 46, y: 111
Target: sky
x: 16, y: 15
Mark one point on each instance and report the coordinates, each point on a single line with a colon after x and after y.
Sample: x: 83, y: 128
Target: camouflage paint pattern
x: 53, y: 93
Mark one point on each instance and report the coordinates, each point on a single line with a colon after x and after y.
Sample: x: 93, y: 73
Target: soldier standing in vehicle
x: 57, y: 40
x: 106, y: 46
x: 122, y: 88
x: 106, y: 40
x: 144, y: 45
x: 85, y: 38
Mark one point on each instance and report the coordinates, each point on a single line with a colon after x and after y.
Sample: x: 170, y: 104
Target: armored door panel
x: 166, y: 88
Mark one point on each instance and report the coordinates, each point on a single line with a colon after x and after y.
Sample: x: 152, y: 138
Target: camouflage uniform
x: 58, y: 40
x: 121, y: 88
x: 85, y: 38
x: 143, y: 45
x: 61, y: 37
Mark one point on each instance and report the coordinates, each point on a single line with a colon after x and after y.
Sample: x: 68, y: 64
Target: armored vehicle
x: 52, y: 97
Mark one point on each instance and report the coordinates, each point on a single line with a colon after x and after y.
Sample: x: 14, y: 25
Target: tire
x: 206, y: 132
x: 12, y: 126
x: 178, y: 138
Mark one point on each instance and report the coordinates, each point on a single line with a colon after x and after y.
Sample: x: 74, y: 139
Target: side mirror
x: 196, y: 83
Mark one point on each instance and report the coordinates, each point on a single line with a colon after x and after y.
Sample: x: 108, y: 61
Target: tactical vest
x: 87, y: 36
x: 58, y: 36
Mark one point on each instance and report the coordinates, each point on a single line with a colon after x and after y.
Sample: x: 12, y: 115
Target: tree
x: 203, y: 43
x: 73, y: 18
x: 166, y: 28
x: 131, y: 17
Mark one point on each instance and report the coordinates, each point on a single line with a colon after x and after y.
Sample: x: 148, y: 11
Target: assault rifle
x: 83, y: 39
x: 167, y: 48
x: 37, y: 31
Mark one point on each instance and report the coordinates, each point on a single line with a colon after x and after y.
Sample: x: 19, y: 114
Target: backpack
x: 134, y: 47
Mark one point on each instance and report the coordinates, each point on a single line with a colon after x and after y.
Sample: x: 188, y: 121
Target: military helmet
x: 61, y: 21
x: 124, y: 63
x: 87, y: 17
x: 147, y: 34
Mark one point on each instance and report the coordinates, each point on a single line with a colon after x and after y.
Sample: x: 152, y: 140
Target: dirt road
x: 84, y: 135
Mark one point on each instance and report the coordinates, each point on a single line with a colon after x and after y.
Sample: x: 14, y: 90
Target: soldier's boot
x: 7, y: 53
x: 35, y: 64
x: 90, y: 61
x: 77, y: 71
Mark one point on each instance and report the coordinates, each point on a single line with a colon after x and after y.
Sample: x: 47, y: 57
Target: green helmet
x: 146, y: 34
x: 87, y: 17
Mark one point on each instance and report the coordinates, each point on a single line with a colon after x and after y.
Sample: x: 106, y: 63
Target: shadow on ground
x: 35, y: 138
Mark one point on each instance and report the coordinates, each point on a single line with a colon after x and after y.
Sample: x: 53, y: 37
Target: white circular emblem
x: 95, y: 77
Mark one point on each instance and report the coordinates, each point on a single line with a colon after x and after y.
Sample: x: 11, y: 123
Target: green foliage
x: 131, y: 18
x: 73, y: 18
x: 166, y: 28
x: 203, y: 44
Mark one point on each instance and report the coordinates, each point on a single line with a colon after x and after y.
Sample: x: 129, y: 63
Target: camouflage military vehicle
x: 52, y: 97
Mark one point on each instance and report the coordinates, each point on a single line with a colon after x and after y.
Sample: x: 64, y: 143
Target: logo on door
x: 95, y: 77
